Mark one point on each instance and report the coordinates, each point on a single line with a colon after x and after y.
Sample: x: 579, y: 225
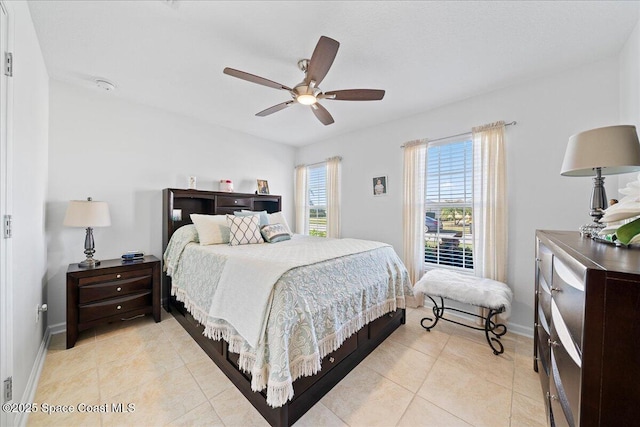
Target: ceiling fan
x: 308, y: 91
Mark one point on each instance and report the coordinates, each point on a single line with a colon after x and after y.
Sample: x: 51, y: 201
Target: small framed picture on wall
x: 379, y: 186
x: 263, y: 186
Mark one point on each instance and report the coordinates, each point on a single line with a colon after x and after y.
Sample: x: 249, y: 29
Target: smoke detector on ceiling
x: 105, y: 84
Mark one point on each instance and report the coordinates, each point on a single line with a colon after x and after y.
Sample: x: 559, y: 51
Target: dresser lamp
x: 87, y: 214
x: 608, y: 150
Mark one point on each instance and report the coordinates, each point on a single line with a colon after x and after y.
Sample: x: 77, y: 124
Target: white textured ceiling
x: 170, y: 54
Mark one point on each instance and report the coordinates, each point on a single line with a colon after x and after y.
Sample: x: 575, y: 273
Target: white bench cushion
x: 467, y: 289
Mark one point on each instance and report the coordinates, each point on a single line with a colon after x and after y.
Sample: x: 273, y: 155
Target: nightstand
x: 111, y: 292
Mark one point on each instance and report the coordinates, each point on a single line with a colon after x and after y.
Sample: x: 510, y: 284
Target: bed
x: 330, y: 302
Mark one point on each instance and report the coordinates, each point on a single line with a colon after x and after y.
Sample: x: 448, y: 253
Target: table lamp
x: 89, y: 214
x: 608, y: 150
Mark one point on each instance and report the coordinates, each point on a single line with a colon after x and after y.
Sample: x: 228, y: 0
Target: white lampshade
x: 615, y: 149
x: 87, y: 213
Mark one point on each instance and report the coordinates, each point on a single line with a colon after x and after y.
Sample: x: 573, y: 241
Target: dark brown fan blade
x: 254, y: 79
x: 321, y: 60
x: 274, y: 109
x: 356, y: 95
x: 322, y: 114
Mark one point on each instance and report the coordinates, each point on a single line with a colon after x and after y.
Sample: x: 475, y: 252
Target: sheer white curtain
x: 333, y: 197
x: 415, y: 154
x: 489, y: 203
x: 301, y: 200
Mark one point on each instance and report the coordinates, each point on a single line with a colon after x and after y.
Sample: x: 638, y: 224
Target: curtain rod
x: 319, y: 163
x: 460, y: 134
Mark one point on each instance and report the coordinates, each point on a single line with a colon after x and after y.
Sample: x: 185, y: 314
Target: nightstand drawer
x: 111, y: 277
x: 100, y: 291
x: 111, y: 307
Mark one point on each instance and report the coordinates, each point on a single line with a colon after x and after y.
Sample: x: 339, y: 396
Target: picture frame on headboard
x: 263, y: 186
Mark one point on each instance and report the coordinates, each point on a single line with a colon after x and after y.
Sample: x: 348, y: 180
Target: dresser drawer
x: 111, y: 277
x: 544, y: 351
x: 233, y: 202
x: 111, y: 307
x: 558, y: 417
x: 544, y: 303
x: 565, y: 385
x: 545, y: 263
x: 568, y: 295
x: 100, y: 291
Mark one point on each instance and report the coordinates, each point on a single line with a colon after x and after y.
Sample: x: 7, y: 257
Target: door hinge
x: 7, y: 227
x: 8, y: 389
x: 8, y: 64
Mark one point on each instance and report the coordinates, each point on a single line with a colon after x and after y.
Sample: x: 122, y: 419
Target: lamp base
x: 89, y: 263
x: 591, y: 230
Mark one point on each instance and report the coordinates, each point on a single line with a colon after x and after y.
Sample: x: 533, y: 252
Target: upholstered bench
x: 486, y: 293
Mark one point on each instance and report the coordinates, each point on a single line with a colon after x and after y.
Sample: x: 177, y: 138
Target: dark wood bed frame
x: 177, y: 206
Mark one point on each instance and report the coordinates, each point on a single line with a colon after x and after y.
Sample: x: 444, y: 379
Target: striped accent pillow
x: 244, y: 230
x: 274, y: 233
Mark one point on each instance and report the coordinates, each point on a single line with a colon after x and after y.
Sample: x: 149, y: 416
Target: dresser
x: 114, y: 291
x: 587, y: 330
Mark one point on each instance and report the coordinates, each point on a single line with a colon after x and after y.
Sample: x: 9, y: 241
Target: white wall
x: 630, y: 91
x: 29, y: 178
x: 125, y: 154
x: 548, y: 111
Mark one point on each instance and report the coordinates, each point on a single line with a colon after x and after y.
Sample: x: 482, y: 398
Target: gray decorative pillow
x: 244, y: 230
x: 274, y: 233
x: 264, y: 219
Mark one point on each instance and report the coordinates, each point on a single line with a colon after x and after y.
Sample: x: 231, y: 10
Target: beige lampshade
x: 87, y: 213
x: 615, y: 149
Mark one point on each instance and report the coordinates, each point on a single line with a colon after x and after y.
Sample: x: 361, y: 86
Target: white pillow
x: 245, y: 230
x: 212, y: 229
x: 278, y: 218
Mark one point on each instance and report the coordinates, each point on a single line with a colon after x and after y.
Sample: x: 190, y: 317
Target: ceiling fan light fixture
x: 306, y: 99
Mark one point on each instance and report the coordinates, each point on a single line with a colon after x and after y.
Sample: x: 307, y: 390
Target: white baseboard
x: 32, y: 384
x: 58, y: 328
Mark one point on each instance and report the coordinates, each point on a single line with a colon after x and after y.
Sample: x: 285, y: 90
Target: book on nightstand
x: 132, y: 256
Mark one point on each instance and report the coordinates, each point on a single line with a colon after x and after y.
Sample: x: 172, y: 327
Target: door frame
x: 6, y: 264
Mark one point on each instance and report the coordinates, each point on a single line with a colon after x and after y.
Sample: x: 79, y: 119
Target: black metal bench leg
x: 493, y: 331
x: 438, y: 312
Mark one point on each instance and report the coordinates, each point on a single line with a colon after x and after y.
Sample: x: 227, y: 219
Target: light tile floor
x: 446, y: 377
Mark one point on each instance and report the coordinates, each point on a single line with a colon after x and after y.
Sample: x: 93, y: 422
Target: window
x: 449, y: 204
x: 317, y: 200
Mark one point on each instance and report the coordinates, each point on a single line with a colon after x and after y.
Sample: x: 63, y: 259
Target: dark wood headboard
x: 178, y: 204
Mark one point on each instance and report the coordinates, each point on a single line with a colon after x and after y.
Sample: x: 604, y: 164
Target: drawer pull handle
x: 556, y: 289
x: 553, y: 343
x: 118, y: 307
x: 118, y: 276
x: 235, y: 201
x: 119, y: 289
x: 331, y: 360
